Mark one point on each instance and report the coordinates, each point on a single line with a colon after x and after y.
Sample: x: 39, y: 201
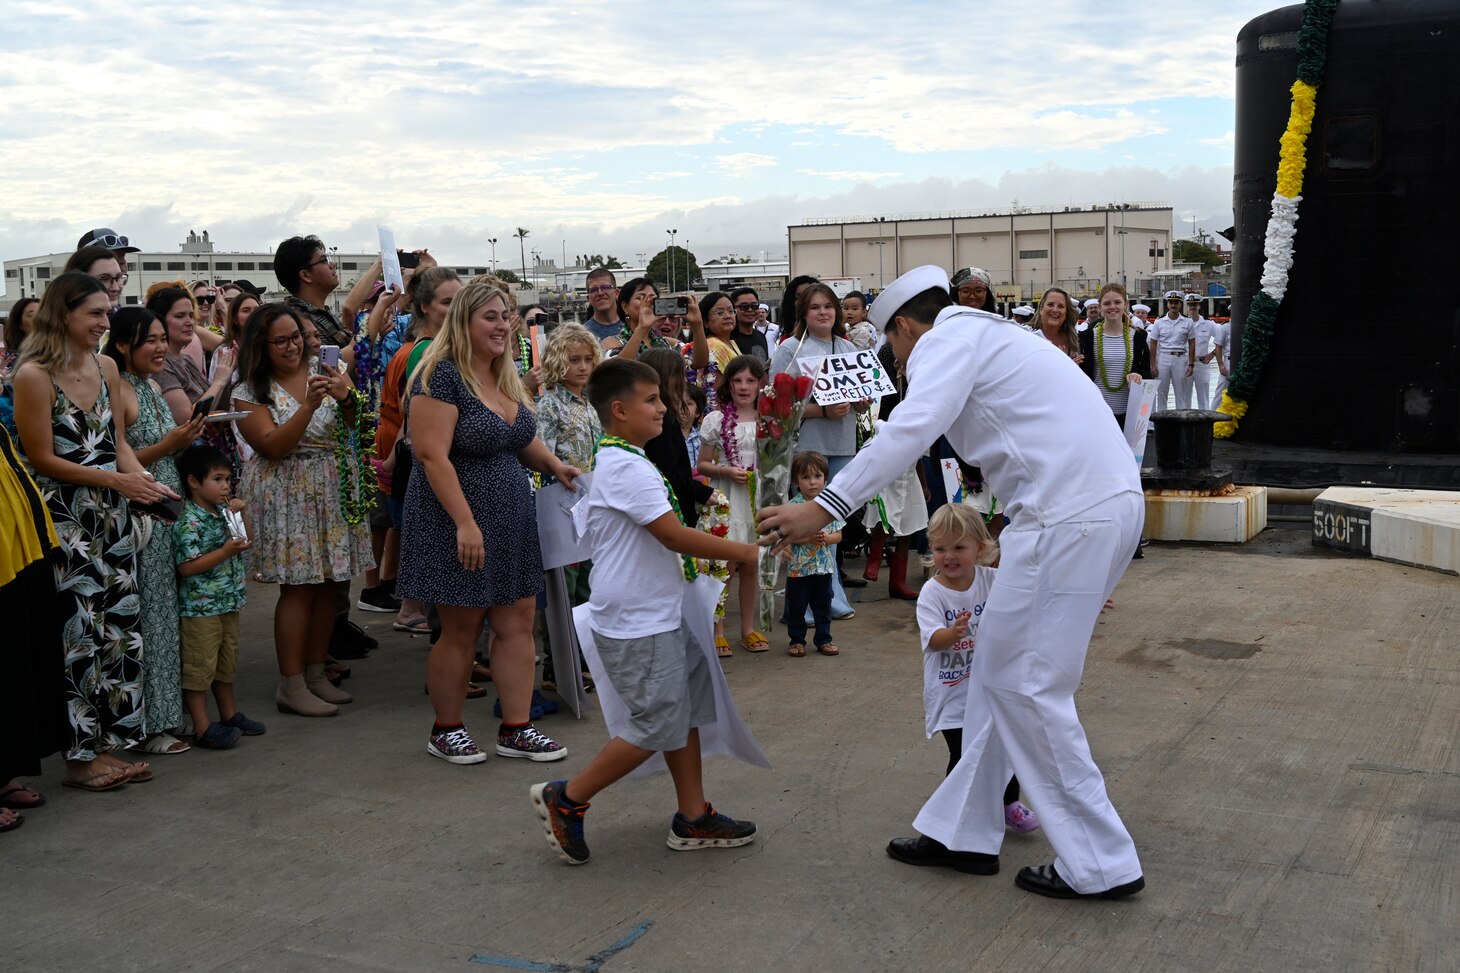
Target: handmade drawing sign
x: 851, y: 377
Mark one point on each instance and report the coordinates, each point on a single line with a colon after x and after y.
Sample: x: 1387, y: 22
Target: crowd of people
x: 166, y: 452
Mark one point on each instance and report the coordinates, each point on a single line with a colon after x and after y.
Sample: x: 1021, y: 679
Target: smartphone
x: 670, y: 306
x: 329, y: 358
x: 407, y: 259
x: 203, y: 406
x: 226, y: 416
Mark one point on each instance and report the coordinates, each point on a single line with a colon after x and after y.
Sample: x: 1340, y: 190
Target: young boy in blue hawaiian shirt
x: 211, y: 592
x: 810, y: 567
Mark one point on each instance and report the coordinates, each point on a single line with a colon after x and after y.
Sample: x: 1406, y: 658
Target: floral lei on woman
x: 1100, y: 359
x: 729, y: 442
x: 1282, y: 225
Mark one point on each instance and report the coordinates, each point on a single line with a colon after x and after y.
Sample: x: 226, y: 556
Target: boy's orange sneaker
x: 711, y: 830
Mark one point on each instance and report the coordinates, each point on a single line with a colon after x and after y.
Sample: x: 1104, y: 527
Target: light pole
x: 670, y: 254
x: 493, y: 242
x: 537, y: 269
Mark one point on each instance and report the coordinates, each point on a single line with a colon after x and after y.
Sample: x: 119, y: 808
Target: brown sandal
x: 797, y: 650
x: 828, y: 649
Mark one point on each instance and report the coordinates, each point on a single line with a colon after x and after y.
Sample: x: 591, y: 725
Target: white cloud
x: 839, y: 175
x: 462, y: 119
x: 1229, y: 139
x: 743, y: 163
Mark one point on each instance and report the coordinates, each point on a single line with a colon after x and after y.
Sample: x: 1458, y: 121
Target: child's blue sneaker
x: 244, y: 725
x: 710, y: 830
x: 563, y: 822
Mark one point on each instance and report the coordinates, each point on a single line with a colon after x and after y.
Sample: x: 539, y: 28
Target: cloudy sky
x: 599, y: 126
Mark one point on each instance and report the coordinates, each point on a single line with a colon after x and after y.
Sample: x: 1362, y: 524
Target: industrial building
x: 1025, y: 250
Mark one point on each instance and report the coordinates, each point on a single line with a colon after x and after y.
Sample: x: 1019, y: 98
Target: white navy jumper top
x: 1012, y: 403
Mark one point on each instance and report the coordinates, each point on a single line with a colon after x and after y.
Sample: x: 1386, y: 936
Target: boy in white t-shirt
x: 643, y: 556
x: 949, y: 607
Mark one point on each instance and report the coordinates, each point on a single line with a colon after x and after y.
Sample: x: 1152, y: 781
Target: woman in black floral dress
x: 87, y: 473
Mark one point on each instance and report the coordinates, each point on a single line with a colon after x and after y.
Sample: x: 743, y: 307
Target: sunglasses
x: 110, y: 240
x: 206, y: 299
x: 747, y: 307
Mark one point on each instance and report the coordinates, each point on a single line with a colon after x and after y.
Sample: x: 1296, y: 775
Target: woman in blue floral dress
x: 138, y: 345
x: 88, y: 473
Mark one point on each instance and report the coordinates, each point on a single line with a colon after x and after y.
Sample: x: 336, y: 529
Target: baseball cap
x: 106, y: 237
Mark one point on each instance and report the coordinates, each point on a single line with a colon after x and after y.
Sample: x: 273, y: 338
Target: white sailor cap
x: 1023, y: 311
x: 765, y: 307
x: 1172, y: 296
x: 904, y: 289
x: 1140, y: 307
x: 1193, y: 298
x: 1091, y: 302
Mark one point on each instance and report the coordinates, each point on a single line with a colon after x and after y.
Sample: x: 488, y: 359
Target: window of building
x: 266, y: 265
x: 1033, y: 254
x: 245, y: 265
x: 1158, y: 252
x: 132, y: 299
x: 349, y: 266
x: 152, y: 265
x: 44, y: 273
x: 11, y: 273
x: 176, y: 265
x: 223, y: 265
x: 199, y: 265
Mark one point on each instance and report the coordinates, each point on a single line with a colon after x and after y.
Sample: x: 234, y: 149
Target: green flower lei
x: 690, y: 570
x: 1100, y: 358
x: 354, y: 441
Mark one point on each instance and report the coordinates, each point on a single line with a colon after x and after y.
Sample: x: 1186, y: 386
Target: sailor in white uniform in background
x: 1141, y: 316
x: 1223, y: 342
x: 1204, y: 352
x: 1043, y: 437
x: 1092, y: 314
x: 1171, y: 335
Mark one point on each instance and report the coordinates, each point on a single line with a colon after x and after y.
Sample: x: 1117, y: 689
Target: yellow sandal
x: 722, y: 647
x: 754, y: 642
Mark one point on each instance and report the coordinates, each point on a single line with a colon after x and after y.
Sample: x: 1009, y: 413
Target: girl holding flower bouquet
x: 727, y: 457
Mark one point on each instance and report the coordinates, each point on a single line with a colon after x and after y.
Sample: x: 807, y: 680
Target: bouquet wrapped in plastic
x: 781, y: 406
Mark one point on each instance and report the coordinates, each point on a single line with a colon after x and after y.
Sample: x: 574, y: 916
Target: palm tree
x: 521, y: 235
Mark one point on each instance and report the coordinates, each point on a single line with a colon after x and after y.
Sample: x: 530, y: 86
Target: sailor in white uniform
x: 1092, y: 314
x: 1171, y: 335
x: 1204, y: 351
x: 1036, y: 426
x: 1223, y: 342
x: 1141, y: 316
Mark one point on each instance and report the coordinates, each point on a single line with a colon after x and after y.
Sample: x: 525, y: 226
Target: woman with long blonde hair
x: 469, y: 541
x: 1055, y: 319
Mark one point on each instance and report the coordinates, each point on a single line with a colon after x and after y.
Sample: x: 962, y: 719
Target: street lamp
x: 493, y: 242
x: 670, y: 252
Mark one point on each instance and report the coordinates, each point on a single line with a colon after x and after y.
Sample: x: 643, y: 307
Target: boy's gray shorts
x: 664, y: 680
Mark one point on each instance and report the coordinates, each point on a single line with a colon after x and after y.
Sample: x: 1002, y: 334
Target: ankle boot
x: 316, y: 683
x: 293, y: 696
x: 897, y: 577
x: 874, y: 556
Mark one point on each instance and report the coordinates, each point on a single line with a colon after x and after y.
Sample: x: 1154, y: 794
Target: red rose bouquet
x: 781, y: 406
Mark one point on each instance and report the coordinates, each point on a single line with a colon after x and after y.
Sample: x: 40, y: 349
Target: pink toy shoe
x: 1020, y: 818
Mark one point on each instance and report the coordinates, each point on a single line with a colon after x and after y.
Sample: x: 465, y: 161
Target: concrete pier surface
x: 1278, y: 727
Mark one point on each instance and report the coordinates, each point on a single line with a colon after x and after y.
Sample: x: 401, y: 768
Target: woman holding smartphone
x: 305, y: 544
x: 66, y: 398
x: 139, y: 347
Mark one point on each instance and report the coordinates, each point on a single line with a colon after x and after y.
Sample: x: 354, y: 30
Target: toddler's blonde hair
x: 959, y: 521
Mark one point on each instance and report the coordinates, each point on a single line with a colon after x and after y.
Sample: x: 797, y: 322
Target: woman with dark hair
x: 646, y: 330
x: 718, y: 314
x: 139, y: 347
x: 87, y: 473
x: 792, y: 294
x: 105, y: 266
x: 971, y: 287
x: 1121, y: 359
x: 182, y: 382
x: 305, y: 542
x: 244, y: 303
x: 17, y: 326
